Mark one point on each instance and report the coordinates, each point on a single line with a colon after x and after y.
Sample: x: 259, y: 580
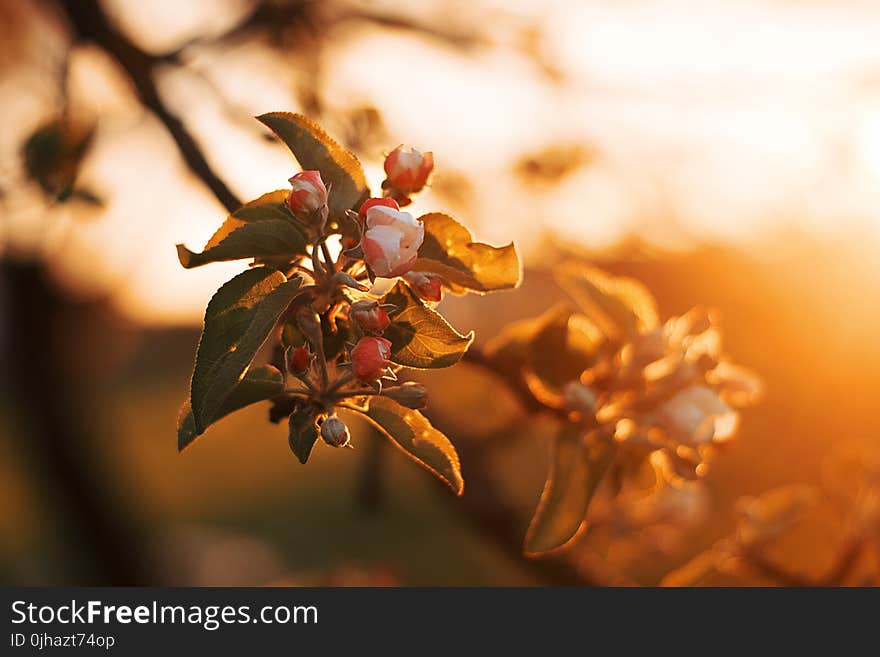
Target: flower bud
x: 408, y: 169
x: 298, y: 360
x: 308, y: 198
x: 392, y: 240
x: 334, y: 432
x: 373, y: 202
x: 369, y: 358
x: 370, y: 316
x: 309, y: 323
x: 427, y: 285
x: 410, y: 394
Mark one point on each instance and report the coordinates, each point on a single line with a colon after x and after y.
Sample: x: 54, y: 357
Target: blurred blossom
x: 696, y: 415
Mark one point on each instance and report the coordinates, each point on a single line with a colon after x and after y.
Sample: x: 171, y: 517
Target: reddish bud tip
x: 408, y: 169
x: 370, y: 316
x: 369, y: 358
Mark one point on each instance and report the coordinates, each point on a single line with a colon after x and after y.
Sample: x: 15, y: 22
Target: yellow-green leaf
x: 421, y: 337
x: 449, y: 250
x: 262, y: 228
x: 258, y: 384
x: 576, y: 470
x: 314, y: 149
x: 238, y: 320
x: 411, y: 432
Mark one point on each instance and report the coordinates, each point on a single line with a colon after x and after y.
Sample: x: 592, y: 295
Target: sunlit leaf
x: 302, y: 433
x: 449, y: 250
x: 576, y: 470
x: 262, y: 228
x: 238, y: 320
x: 314, y: 149
x: 258, y: 384
x: 421, y: 337
x: 412, y: 433
x: 556, y: 347
x: 622, y: 307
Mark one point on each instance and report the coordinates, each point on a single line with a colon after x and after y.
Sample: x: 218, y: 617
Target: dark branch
x: 90, y: 24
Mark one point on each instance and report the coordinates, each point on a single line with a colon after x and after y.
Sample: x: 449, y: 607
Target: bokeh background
x: 725, y: 153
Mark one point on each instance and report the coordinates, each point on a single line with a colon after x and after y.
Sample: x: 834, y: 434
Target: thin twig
x: 90, y: 24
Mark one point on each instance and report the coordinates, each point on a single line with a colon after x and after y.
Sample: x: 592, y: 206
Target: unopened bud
x: 410, y: 394
x: 370, y: 316
x: 309, y: 323
x: 298, y: 360
x: 334, y: 432
x: 369, y: 358
x: 427, y: 285
x: 308, y: 198
x: 408, y: 169
x: 370, y: 202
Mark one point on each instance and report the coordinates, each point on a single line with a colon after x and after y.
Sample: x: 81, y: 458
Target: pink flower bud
x: 426, y: 285
x: 373, y: 202
x: 334, y: 432
x: 410, y: 394
x: 299, y: 360
x: 408, y: 169
x: 308, y: 198
x: 369, y: 316
x: 392, y: 240
x: 369, y: 358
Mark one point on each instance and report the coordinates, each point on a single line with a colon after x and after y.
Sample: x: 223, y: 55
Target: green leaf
x: 302, y: 433
x: 419, y: 336
x: 449, y: 250
x: 268, y: 207
x: 411, y: 432
x: 238, y: 320
x: 262, y: 228
x: 258, y: 384
x: 576, y: 469
x: 314, y: 149
x: 621, y: 307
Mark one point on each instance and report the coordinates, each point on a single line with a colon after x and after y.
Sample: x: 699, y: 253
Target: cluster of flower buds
x: 387, y: 247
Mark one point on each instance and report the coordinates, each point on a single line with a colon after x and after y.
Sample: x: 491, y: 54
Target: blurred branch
x: 102, y: 531
x: 842, y: 566
x: 489, y: 510
x: 845, y: 562
x: 89, y: 23
x: 272, y: 18
x: 370, y: 491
